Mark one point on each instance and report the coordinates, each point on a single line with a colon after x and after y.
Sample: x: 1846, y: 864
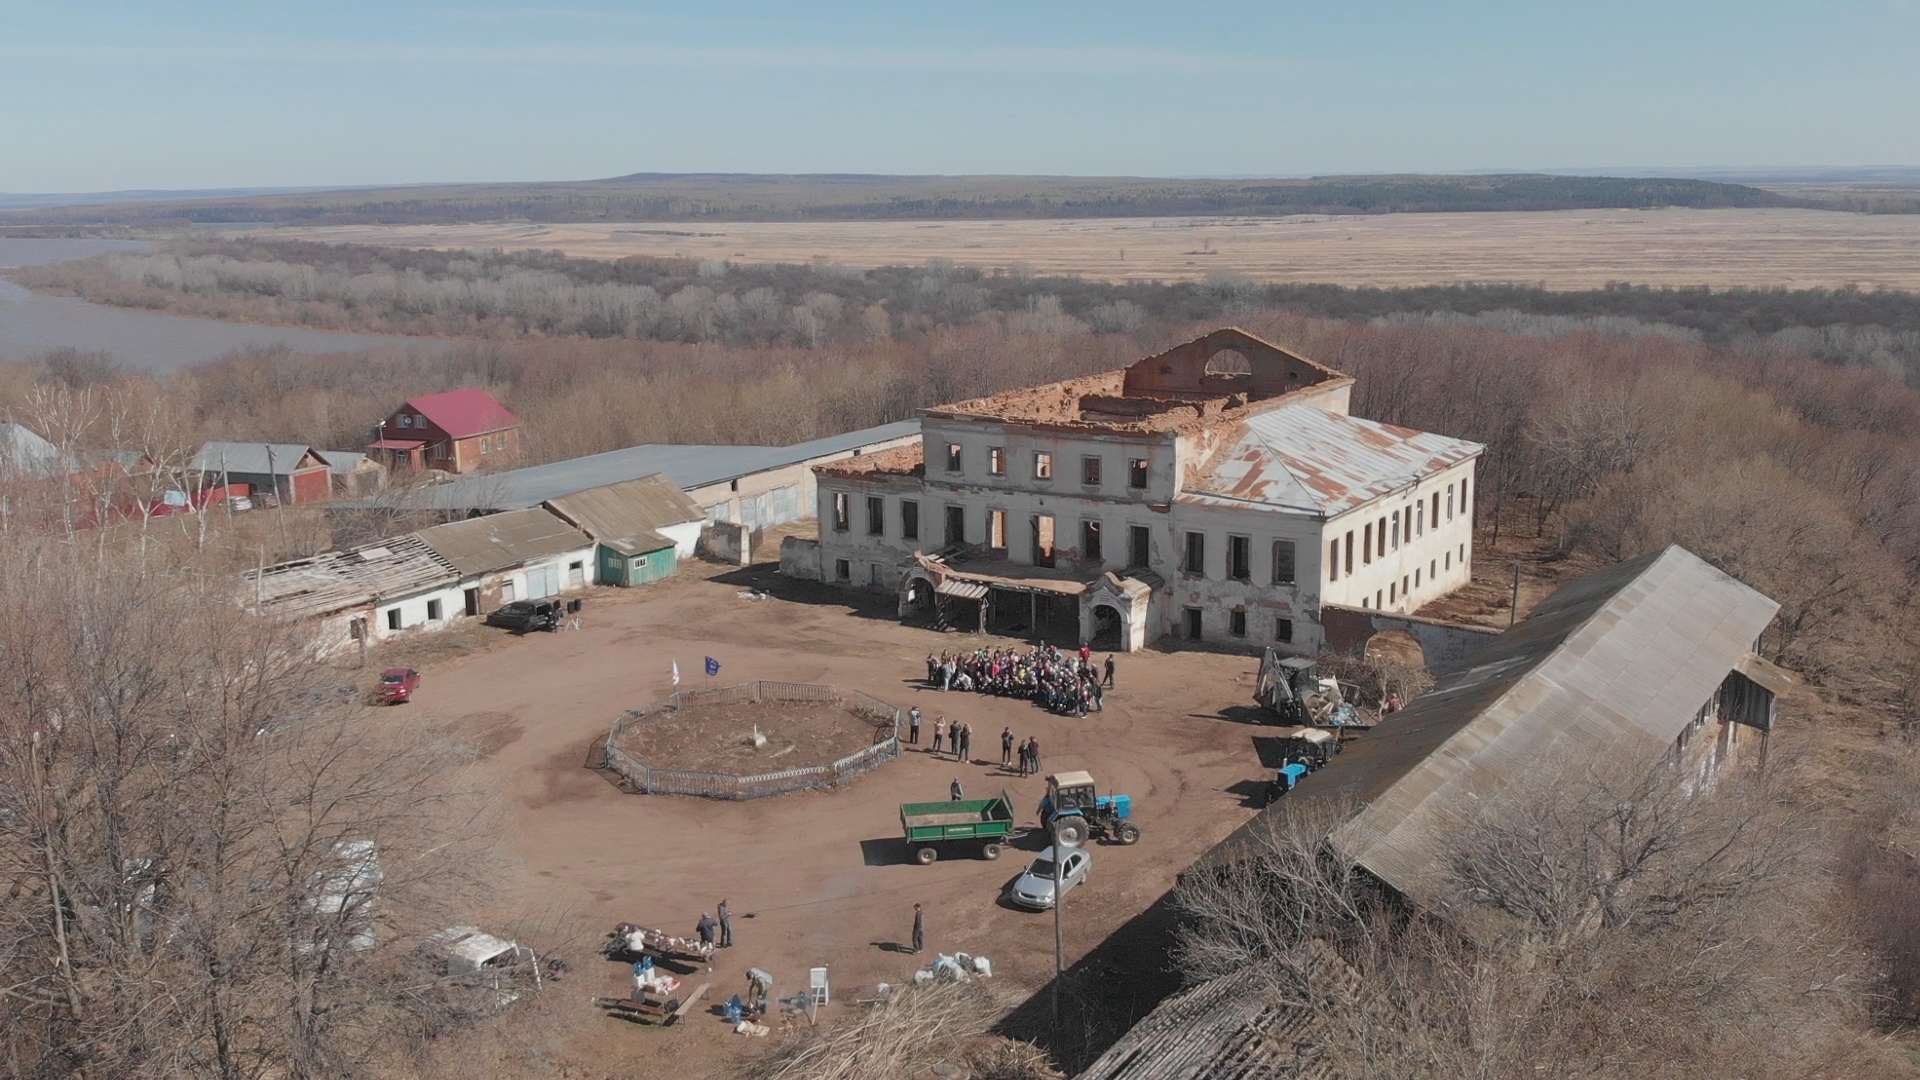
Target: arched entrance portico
x: 1113, y: 613
x: 1109, y: 628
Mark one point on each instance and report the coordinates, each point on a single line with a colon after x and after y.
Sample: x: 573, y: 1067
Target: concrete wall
x: 723, y: 541
x: 1445, y: 644
x: 685, y: 537
x: 800, y: 558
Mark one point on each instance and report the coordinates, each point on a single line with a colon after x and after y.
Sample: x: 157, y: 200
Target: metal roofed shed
x: 293, y: 472
x: 634, y: 515
x: 498, y: 541
x: 691, y: 468
x: 1621, y: 664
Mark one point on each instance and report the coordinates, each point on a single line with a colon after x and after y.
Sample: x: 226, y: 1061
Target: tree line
x: 517, y: 296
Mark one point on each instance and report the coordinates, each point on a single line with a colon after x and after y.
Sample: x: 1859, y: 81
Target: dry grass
x: 1562, y: 249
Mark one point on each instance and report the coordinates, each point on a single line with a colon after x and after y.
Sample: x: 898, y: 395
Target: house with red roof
x: 460, y: 431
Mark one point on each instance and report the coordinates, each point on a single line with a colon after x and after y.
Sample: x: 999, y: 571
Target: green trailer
x: 986, y: 822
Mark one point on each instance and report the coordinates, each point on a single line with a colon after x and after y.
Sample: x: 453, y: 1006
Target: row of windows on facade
x: 1092, y: 542
x: 1378, y: 538
x: 1392, y: 594
x: 1091, y: 466
x: 488, y: 443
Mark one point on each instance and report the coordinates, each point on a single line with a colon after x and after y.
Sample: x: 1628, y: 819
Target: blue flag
x: 713, y: 666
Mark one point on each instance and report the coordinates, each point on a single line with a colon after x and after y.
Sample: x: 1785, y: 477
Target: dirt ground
x: 719, y: 738
x: 818, y: 878
x: 1560, y: 249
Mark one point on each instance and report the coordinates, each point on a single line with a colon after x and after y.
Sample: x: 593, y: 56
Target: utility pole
x: 1513, y: 608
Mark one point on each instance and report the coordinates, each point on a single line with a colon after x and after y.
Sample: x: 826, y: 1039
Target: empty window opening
x: 1282, y: 628
x: 1283, y: 562
x: 1366, y: 601
x: 841, y: 510
x: 1349, y: 567
x: 1396, y: 530
x: 1404, y: 591
x: 1436, y: 509
x: 1228, y: 364
x: 1043, y: 539
x: 997, y: 530
x: 433, y: 611
x: 1196, y: 561
x: 1240, y: 558
x: 1138, y: 539
x: 875, y: 576
x: 1193, y: 623
x: 1433, y: 568
x: 1042, y: 465
x: 1333, y: 560
x: 1379, y: 595
x: 1380, y: 536
x: 1463, y: 554
x: 1237, y: 622
x: 876, y: 516
x: 953, y: 457
x: 1449, y: 560
x: 1416, y: 577
x: 1090, y: 541
x: 997, y: 461
x: 393, y: 615
x: 1449, y: 502
x: 956, y: 525
x: 909, y: 520
x: 1137, y: 473
x: 1393, y: 592
x: 1420, y: 518
x: 1366, y: 544
x: 1464, y: 511
x: 842, y: 570
x: 1090, y: 471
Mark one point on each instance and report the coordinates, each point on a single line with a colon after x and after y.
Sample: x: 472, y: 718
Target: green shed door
x: 613, y: 567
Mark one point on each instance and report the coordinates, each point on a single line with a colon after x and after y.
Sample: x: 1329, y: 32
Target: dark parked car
x: 398, y: 684
x: 523, y: 616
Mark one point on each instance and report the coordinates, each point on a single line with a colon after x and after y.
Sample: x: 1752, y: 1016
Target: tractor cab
x: 1311, y: 747
x: 1069, y: 792
x: 1073, y: 811
x: 1293, y: 687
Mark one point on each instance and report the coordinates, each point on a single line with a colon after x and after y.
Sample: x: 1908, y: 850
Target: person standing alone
x: 1006, y: 748
x: 919, y: 929
x: 1109, y: 678
x: 726, y: 926
x: 913, y: 725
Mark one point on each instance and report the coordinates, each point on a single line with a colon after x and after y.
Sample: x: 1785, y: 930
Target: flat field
x: 1559, y: 249
x: 816, y: 878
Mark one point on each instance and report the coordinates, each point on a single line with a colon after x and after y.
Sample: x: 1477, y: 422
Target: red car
x: 398, y: 684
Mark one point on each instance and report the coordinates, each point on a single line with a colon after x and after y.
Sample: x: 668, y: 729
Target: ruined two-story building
x: 1219, y: 491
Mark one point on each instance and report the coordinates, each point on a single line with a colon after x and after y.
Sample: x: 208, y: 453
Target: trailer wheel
x: 1127, y: 834
x: 991, y: 851
x: 925, y: 854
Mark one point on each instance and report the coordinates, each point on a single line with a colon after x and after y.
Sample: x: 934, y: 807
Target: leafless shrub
x: 917, y: 1029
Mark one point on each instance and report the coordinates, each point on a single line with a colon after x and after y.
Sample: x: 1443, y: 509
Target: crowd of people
x: 1062, y: 682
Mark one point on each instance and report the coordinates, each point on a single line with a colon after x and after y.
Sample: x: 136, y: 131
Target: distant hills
x: 692, y: 197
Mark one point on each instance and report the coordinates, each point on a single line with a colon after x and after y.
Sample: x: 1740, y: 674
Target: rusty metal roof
x: 1614, y: 665
x: 497, y: 541
x: 1307, y: 460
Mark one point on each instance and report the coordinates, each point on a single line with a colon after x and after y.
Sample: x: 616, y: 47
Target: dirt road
x: 817, y: 879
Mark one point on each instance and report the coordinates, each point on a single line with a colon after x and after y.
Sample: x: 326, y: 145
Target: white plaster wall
x: 1217, y: 595
x: 1443, y: 554
x: 413, y: 612
x: 685, y: 537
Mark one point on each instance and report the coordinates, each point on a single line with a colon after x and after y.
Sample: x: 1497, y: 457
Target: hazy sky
x: 178, y: 94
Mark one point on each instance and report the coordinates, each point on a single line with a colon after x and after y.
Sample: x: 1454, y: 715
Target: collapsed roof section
x: 1225, y: 376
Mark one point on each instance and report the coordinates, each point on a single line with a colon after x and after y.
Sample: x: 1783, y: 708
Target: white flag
x: 676, y: 673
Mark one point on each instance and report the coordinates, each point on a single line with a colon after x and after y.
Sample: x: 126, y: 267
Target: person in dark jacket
x: 1006, y: 748
x: 705, y: 928
x: 919, y: 929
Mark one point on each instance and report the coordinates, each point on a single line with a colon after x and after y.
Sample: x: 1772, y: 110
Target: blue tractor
x: 1072, y: 811
x: 1302, y: 750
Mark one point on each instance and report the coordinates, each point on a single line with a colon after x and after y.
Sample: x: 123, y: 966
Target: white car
x: 1034, y: 888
